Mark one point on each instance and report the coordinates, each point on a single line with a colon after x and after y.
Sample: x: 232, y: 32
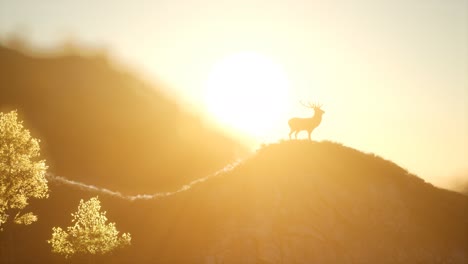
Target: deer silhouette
x: 297, y: 124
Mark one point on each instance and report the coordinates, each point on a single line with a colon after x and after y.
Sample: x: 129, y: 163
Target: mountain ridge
x: 99, y: 123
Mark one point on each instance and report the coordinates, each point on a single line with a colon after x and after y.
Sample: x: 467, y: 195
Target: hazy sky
x: 392, y: 75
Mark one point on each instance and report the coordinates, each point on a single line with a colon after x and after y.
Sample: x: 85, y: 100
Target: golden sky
x: 392, y: 75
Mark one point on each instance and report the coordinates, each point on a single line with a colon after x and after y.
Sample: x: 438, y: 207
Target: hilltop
x: 321, y: 202
x: 100, y: 124
x: 291, y: 202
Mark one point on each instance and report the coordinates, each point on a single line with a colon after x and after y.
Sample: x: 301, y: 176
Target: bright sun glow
x: 248, y: 92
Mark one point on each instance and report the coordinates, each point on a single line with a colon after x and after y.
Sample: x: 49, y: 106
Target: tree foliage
x: 89, y: 233
x: 22, y: 175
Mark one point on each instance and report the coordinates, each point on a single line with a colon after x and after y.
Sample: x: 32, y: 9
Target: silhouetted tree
x: 89, y: 234
x: 22, y: 176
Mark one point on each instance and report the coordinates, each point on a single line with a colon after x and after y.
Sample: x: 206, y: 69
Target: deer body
x: 297, y: 124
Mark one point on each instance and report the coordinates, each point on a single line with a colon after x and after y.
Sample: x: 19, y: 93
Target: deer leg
x: 290, y: 133
x: 295, y: 134
x: 310, y: 132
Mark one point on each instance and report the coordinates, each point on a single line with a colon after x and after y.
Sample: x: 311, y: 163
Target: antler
x: 309, y: 105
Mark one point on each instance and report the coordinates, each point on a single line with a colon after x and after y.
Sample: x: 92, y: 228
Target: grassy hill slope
x: 291, y: 202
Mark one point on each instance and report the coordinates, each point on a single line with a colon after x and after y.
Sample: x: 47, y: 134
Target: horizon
x: 401, y: 68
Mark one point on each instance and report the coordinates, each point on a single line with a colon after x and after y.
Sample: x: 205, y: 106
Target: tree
x: 22, y: 175
x: 89, y: 233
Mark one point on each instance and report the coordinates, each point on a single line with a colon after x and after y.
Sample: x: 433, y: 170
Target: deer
x: 297, y: 124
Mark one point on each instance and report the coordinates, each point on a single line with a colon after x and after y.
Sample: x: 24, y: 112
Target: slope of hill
x: 291, y: 202
x: 103, y: 126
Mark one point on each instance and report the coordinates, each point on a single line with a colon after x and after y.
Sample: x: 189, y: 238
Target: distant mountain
x: 291, y: 202
x: 104, y: 126
x: 462, y: 186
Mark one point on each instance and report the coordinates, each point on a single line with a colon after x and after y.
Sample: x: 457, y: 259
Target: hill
x: 291, y: 202
x: 102, y: 125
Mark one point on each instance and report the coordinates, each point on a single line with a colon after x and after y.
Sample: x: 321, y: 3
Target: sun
x: 248, y: 93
